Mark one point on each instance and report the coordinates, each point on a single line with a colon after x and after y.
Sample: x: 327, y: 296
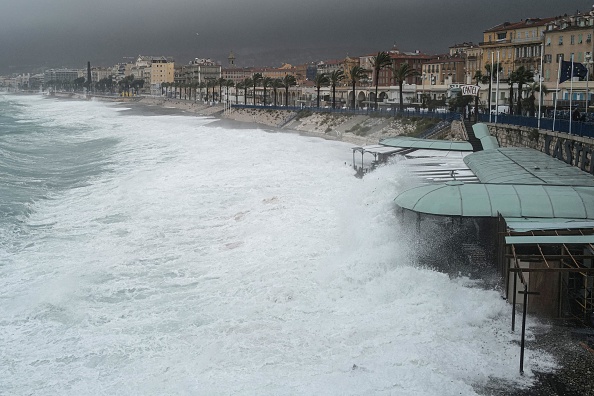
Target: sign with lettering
x: 572, y: 153
x: 470, y: 90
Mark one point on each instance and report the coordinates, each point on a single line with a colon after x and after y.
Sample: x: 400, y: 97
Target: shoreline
x: 267, y: 119
x: 357, y: 130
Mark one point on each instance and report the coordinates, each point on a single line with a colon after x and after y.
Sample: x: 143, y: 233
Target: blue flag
x: 579, y: 70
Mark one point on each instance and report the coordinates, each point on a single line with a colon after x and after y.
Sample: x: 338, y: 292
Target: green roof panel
x: 480, y: 130
x: 512, y: 165
x: 487, y: 200
x: 548, y: 239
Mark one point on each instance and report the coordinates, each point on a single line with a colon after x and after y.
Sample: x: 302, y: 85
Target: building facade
x: 565, y: 38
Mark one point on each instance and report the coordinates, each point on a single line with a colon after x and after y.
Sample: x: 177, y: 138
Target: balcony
x: 535, y: 40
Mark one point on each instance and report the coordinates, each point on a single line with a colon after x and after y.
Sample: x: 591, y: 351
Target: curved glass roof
x: 524, y: 166
x: 480, y: 130
x: 487, y: 200
x: 411, y: 142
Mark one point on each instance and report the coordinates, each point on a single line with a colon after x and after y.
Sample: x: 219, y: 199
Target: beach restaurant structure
x: 530, y: 214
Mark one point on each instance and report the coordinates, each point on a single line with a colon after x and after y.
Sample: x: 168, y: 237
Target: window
x: 580, y: 56
x: 548, y: 41
x: 548, y: 58
x: 560, y: 40
x: 589, y: 37
x: 580, y: 38
x: 501, y: 36
x: 559, y: 57
x: 572, y: 39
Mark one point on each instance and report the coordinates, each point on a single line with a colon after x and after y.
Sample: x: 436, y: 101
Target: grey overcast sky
x: 36, y: 34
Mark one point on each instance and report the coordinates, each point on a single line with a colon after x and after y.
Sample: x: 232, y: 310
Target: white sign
x: 470, y: 90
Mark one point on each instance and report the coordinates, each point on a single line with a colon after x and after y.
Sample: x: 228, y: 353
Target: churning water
x: 166, y: 254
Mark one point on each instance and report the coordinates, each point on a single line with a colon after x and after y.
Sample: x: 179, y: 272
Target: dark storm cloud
x: 70, y: 32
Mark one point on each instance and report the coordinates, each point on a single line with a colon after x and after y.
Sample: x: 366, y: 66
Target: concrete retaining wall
x: 574, y: 150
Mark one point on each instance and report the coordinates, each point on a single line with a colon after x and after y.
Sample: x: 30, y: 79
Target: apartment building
x: 237, y: 74
x: 162, y: 71
x: 199, y: 71
x: 330, y: 66
x: 567, y: 37
x: 62, y: 75
x: 472, y: 54
x: 515, y: 44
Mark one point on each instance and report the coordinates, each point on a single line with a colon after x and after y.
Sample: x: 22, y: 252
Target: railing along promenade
x: 394, y: 112
x: 578, y: 128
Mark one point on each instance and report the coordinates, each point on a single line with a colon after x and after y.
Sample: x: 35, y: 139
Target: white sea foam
x: 216, y: 261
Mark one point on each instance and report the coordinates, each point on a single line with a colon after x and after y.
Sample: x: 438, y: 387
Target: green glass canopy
x: 487, y: 200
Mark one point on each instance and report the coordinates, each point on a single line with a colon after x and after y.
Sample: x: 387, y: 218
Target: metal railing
x: 578, y: 128
x: 381, y: 112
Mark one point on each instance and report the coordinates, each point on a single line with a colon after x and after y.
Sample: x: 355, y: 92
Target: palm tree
x: 512, y: 80
x: 379, y: 62
x: 228, y: 84
x: 201, y: 86
x: 492, y: 71
x: 400, y: 74
x: 221, y: 82
x: 247, y: 83
x: 266, y: 82
x: 256, y: 78
x: 288, y: 81
x: 532, y: 88
x: 523, y: 76
x: 195, y: 86
x: 238, y: 86
x: 335, y: 77
x: 357, y: 73
x: 321, y: 80
x: 209, y: 83
x: 175, y: 85
x: 276, y: 84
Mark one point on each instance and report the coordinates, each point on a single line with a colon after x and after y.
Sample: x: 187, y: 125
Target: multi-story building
x: 278, y: 72
x: 162, y: 71
x: 472, y: 54
x: 199, y: 71
x: 444, y: 70
x: 62, y: 75
x: 564, y: 38
x: 330, y: 66
x: 441, y: 73
x: 99, y: 73
x: 414, y: 59
x: 237, y: 74
x: 514, y: 44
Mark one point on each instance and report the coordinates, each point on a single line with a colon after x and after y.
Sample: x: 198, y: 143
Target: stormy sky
x: 37, y: 34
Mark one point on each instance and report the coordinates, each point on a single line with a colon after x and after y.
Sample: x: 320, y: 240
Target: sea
x: 147, y: 251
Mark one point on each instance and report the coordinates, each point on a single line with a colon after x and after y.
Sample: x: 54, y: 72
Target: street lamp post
x: 421, y: 98
x: 588, y: 58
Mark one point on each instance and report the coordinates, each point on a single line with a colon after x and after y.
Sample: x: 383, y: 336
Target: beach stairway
x: 472, y: 139
x: 349, y: 124
x: 288, y: 120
